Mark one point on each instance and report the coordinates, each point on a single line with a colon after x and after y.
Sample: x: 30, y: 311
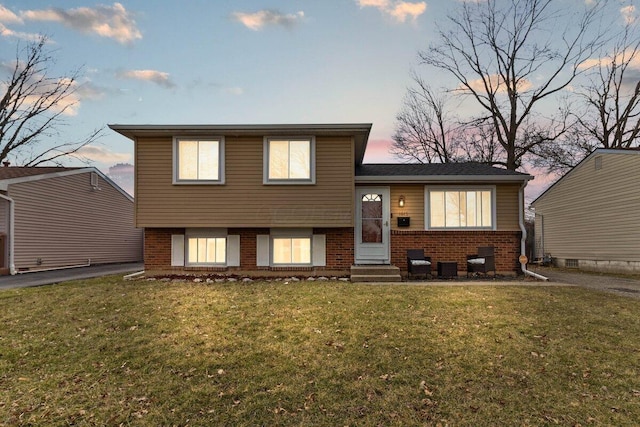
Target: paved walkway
x: 57, y: 276
x: 625, y: 286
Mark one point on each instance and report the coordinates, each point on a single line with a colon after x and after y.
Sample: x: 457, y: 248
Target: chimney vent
x: 6, y: 164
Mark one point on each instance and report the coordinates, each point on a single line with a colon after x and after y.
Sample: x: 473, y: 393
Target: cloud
x: 378, y: 151
x: 380, y: 4
x: 629, y: 14
x: 629, y: 55
x: 7, y: 32
x: 403, y: 9
x: 40, y: 89
x: 234, y: 90
x: 8, y: 16
x: 113, y: 22
x: 103, y: 155
x: 496, y: 83
x: 158, y: 77
x: 399, y: 10
x: 256, y: 21
x: 90, y: 91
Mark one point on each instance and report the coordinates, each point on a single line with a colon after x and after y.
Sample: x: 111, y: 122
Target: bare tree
x: 33, y: 108
x: 612, y: 96
x: 510, y: 56
x: 479, y: 143
x: 425, y: 130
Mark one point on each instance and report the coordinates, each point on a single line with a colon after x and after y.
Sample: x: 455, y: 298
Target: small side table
x: 447, y: 269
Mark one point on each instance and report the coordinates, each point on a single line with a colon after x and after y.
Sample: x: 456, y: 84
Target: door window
x: 371, y: 218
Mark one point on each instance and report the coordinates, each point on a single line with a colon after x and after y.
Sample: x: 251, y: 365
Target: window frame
x: 176, y: 161
x: 205, y: 234
x: 466, y: 188
x: 289, y: 181
x: 290, y: 234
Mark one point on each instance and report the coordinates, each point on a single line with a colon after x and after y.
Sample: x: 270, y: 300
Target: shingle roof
x: 434, y: 169
x: 9, y: 172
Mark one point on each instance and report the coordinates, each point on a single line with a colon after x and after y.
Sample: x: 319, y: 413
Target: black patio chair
x: 417, y: 263
x: 482, y: 262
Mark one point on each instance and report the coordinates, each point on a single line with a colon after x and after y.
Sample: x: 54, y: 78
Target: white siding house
x: 54, y: 217
x: 590, y: 218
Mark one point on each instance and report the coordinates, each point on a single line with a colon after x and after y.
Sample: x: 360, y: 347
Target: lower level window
x: 207, y: 250
x: 291, y: 250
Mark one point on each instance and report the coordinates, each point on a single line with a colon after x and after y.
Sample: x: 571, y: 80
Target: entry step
x: 375, y: 273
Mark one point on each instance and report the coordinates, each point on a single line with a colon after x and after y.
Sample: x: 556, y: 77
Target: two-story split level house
x: 276, y: 199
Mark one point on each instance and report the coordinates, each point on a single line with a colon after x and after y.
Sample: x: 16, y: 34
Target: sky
x: 233, y: 61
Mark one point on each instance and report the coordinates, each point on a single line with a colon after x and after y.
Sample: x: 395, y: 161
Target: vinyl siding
x: 4, y: 216
x: 413, y: 205
x: 62, y: 221
x: 506, y: 205
x: 594, y: 214
x: 244, y: 201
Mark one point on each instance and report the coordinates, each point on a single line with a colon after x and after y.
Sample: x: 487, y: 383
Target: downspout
x: 523, y: 240
x: 12, y: 267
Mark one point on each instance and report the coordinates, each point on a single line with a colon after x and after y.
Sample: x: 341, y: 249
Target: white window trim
x: 205, y: 233
x: 221, y: 162
x: 427, y: 206
x: 288, y: 233
x: 265, y: 161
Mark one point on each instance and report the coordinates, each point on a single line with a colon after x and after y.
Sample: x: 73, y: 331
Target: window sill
x: 199, y: 182
x: 289, y: 182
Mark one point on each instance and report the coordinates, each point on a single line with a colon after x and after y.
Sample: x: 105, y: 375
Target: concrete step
x: 355, y: 278
x: 375, y: 273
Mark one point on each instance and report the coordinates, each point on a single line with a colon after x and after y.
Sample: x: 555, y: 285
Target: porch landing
x: 375, y: 273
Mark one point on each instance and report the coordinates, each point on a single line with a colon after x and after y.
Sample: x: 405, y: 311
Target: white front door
x: 372, y: 225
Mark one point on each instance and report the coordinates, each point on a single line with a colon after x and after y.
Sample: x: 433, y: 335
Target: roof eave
x: 438, y: 179
x: 596, y: 152
x: 5, y: 183
x: 359, y: 131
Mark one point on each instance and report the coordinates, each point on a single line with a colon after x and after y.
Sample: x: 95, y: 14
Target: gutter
x: 12, y: 266
x: 523, y: 240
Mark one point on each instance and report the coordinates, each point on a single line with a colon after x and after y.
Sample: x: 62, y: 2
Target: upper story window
x: 289, y: 161
x: 461, y: 208
x: 198, y: 160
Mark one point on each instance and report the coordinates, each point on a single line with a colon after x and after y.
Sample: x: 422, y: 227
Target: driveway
x: 625, y: 286
x: 56, y: 276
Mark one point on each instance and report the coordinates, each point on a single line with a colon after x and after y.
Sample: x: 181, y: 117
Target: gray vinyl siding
x: 594, y: 214
x: 63, y: 221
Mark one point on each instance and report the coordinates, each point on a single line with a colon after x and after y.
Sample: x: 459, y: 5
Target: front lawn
x: 111, y: 352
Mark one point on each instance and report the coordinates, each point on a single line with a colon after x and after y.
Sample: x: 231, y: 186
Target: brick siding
x: 439, y: 245
x: 157, y: 247
x: 456, y: 245
x: 339, y: 250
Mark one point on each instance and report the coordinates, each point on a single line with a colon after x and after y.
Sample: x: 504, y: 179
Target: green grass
x: 110, y: 352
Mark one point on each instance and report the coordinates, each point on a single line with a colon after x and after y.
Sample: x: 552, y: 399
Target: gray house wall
x: 590, y: 218
x: 63, y: 221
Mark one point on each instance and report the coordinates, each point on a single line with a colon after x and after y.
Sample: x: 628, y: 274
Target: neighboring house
x: 53, y: 217
x: 276, y: 199
x: 590, y: 218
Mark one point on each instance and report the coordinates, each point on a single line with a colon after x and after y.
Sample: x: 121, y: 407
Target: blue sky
x: 231, y: 61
